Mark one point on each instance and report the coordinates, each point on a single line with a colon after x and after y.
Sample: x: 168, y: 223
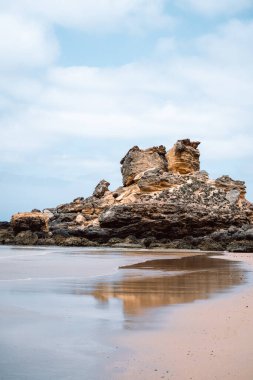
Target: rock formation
x: 183, y: 158
x: 138, y: 161
x: 165, y: 201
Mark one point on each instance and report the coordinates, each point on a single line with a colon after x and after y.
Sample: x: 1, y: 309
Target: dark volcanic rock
x: 26, y: 238
x: 167, y: 220
x: 4, y: 225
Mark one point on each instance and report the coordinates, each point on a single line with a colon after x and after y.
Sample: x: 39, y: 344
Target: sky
x: 82, y: 81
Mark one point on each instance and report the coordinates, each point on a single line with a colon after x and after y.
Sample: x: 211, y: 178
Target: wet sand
x: 202, y: 340
x: 98, y: 314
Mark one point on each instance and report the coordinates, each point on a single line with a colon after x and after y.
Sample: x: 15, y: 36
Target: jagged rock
x: 6, y: 233
x: 233, y: 196
x: 240, y: 246
x: 167, y: 220
x: 48, y: 213
x: 163, y: 203
x: 101, y: 189
x: 157, y: 180
x: 26, y: 238
x: 4, y: 225
x: 231, y: 187
x: 183, y: 158
x: 29, y: 221
x: 78, y: 200
x: 138, y: 161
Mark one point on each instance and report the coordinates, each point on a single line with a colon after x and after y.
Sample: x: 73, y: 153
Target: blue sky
x: 81, y: 82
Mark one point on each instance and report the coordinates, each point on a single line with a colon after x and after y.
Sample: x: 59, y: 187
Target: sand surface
x: 203, y: 340
x: 101, y: 314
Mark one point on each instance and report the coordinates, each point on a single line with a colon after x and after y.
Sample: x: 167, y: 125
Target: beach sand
x: 80, y: 314
x: 203, y: 340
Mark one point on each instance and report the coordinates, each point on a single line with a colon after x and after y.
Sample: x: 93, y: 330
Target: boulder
x: 137, y: 161
x: 234, y: 189
x: 26, y: 238
x: 101, y: 189
x: 183, y: 158
x: 29, y: 221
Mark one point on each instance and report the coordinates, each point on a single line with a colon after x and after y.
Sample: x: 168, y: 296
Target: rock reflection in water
x: 177, y: 281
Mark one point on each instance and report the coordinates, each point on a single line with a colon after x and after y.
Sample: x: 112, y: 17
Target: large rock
x: 29, y: 221
x: 6, y: 233
x: 101, y: 189
x: 235, y: 189
x: 162, y: 204
x: 138, y: 161
x: 183, y: 158
x: 26, y: 238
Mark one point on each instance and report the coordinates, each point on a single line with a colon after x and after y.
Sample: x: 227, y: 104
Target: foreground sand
x: 203, y: 340
x: 65, y: 317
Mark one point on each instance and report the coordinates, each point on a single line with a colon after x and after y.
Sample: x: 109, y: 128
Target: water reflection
x: 156, y: 283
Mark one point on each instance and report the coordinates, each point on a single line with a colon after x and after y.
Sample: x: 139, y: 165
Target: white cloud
x: 165, y: 45
x: 230, y: 45
x: 200, y: 96
x: 214, y: 7
x: 236, y: 147
x: 24, y: 43
x: 99, y: 15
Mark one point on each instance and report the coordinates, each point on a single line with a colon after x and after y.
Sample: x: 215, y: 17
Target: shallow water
x: 62, y: 309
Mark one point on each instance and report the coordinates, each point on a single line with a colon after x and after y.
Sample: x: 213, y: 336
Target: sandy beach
x: 202, y: 340
x: 95, y: 314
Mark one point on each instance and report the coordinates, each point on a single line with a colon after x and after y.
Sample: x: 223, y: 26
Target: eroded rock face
x: 235, y: 189
x: 138, y: 161
x: 29, y: 221
x: 183, y: 158
x: 101, y: 189
x: 169, y: 204
x: 6, y: 233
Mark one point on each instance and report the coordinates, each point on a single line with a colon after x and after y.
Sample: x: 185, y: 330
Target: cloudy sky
x: 82, y: 81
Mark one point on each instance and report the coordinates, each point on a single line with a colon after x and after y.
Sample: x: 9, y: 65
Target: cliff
x: 165, y: 201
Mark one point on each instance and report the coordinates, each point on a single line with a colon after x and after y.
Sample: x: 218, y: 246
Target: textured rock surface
x: 33, y: 221
x: 183, y: 158
x: 137, y: 161
x: 162, y: 204
x: 101, y: 189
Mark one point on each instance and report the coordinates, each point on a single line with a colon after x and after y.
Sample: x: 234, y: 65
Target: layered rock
x: 137, y: 161
x: 30, y: 221
x: 165, y: 201
x: 183, y: 158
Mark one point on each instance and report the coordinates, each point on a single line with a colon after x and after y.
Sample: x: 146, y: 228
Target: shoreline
x: 132, y: 323
x: 207, y: 339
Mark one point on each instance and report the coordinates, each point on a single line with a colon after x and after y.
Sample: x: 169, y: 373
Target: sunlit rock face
x: 165, y: 201
x: 29, y: 221
x: 183, y: 158
x: 138, y: 161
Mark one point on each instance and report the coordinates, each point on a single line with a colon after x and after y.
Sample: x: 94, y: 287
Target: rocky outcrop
x: 6, y: 233
x: 236, y: 190
x: 165, y: 202
x: 183, y: 158
x: 30, y: 221
x: 138, y: 161
x: 101, y: 189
